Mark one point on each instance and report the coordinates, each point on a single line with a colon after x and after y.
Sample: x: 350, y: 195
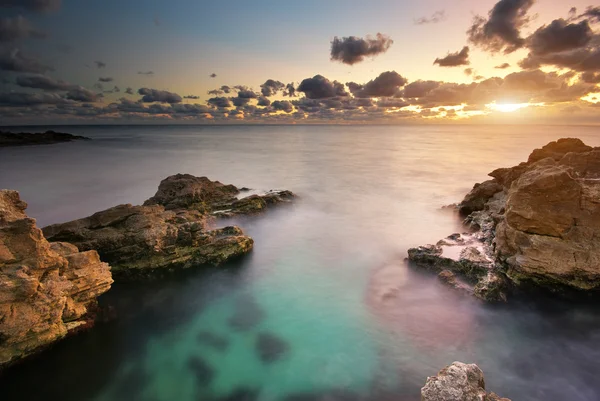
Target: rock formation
x: 44, y: 138
x: 458, y: 382
x: 172, y: 229
x: 45, y: 289
x: 537, y: 223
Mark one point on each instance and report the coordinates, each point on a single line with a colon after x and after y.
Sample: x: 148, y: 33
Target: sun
x: 510, y: 107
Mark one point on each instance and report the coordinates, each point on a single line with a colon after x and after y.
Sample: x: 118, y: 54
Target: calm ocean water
x: 326, y: 282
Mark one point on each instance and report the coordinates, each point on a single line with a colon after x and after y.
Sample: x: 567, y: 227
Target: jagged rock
x: 44, y: 288
x: 458, y: 382
x: 173, y: 229
x: 543, y: 226
x: 479, y: 196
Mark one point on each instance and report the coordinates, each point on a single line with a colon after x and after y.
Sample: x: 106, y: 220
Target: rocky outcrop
x: 43, y: 138
x: 539, y: 224
x: 173, y: 229
x: 458, y: 382
x: 45, y: 289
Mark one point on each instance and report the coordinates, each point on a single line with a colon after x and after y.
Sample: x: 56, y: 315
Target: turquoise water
x: 325, y: 308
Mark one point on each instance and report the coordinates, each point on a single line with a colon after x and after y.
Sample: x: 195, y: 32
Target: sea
x: 325, y: 307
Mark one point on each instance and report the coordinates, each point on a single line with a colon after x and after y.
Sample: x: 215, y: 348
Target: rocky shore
x: 46, y: 289
x: 43, y: 138
x: 50, y: 280
x: 535, y: 225
x: 173, y: 229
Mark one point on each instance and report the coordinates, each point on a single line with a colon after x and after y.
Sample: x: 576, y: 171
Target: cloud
x: 129, y: 91
x: 590, y: 77
x: 351, y: 50
x: 33, y: 5
x: 105, y: 79
x: 18, y: 99
x: 436, y: 17
x: 145, y: 72
x: 502, y: 66
x: 468, y: 71
x: 386, y: 84
x: 271, y: 87
x: 282, y: 105
x: 12, y: 29
x: 191, y: 97
x: 454, y: 59
x: 16, y: 61
x: 501, y: 31
x: 319, y: 87
x: 419, y: 88
x: 43, y: 82
x: 155, y: 95
x: 213, y: 75
x: 593, y: 13
x: 98, y: 86
x: 560, y: 36
x: 263, y: 101
x: 116, y: 89
x: 584, y: 59
x: 100, y: 64
x: 219, y: 102
x: 290, y: 90
x: 81, y: 95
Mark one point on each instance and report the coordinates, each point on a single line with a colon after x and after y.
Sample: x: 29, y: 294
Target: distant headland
x: 43, y: 138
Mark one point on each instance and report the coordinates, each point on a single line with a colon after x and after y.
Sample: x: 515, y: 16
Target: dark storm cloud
x: 220, y: 102
x: 263, y: 101
x: 560, y: 36
x: 290, y: 90
x: 17, y: 99
x: 501, y: 31
x: 44, y: 83
x: 145, y: 72
x: 191, y: 97
x: 319, y: 87
x: 351, y: 50
x: 213, y: 75
x: 282, y: 105
x: 271, y: 87
x: 454, y: 59
x: 155, y: 95
x: 100, y: 64
x: 18, y: 28
x: 105, y: 79
x: 33, y: 5
x: 129, y: 91
x: 82, y: 95
x: 239, y: 101
x: 16, y: 61
x: 436, y: 17
x: 386, y: 84
x: 502, y: 66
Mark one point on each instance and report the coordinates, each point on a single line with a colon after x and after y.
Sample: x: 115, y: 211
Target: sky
x: 267, y: 61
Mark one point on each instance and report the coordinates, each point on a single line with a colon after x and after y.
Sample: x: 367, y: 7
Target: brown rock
x: 556, y: 150
x: 479, y: 196
x: 40, y: 289
x: 458, y: 382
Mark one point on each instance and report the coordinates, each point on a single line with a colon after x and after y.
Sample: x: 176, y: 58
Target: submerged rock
x: 458, y: 382
x: 247, y: 314
x: 270, y: 348
x: 173, y: 229
x: 45, y: 289
x: 541, y: 225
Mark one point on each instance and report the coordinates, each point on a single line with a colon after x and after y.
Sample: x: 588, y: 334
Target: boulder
x: 45, y: 289
x: 173, y: 229
x: 479, y: 196
x: 458, y: 382
x: 542, y: 227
